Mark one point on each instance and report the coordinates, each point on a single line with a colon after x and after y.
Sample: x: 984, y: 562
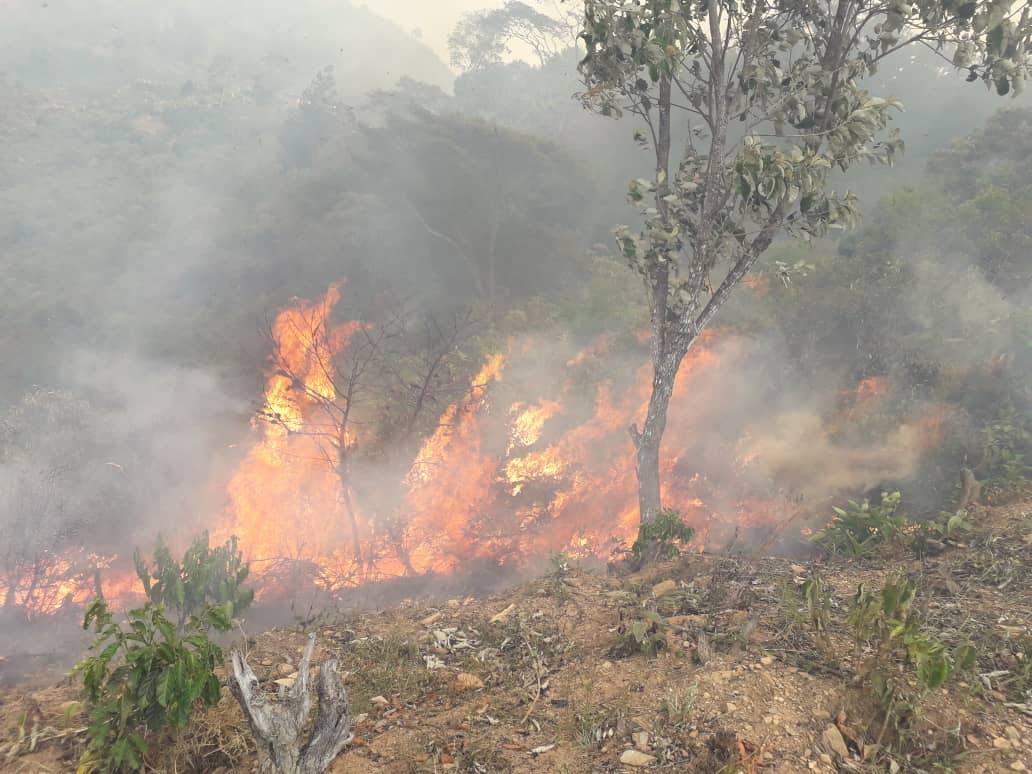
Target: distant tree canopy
x: 485, y: 38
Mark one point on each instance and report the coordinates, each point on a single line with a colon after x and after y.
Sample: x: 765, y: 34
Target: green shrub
x: 1004, y: 442
x: 206, y: 576
x: 663, y: 537
x: 855, y: 530
x: 645, y: 634
x: 808, y: 602
x: 143, y: 676
x: 888, y: 624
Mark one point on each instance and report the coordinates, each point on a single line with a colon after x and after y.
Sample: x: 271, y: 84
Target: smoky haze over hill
x: 173, y: 174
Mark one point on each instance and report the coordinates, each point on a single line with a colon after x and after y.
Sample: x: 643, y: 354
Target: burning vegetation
x: 378, y: 457
x: 518, y: 467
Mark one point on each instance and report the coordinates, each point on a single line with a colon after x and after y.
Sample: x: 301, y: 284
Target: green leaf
x: 965, y: 656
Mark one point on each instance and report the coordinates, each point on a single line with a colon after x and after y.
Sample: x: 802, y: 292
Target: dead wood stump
x: 277, y: 726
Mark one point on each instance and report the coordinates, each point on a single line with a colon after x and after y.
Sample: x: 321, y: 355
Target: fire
x: 449, y: 481
x: 67, y: 583
x: 547, y: 475
x: 518, y: 467
x: 286, y: 497
x: 529, y: 422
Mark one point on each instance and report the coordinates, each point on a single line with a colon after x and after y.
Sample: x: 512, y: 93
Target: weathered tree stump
x: 277, y: 725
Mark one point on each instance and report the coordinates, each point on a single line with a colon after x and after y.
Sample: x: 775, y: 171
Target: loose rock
x: 833, y: 742
x: 637, y: 759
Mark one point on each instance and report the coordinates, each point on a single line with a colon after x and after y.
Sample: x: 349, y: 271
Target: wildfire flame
x: 507, y: 475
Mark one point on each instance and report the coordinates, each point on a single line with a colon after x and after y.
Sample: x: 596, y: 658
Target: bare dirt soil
x: 547, y: 677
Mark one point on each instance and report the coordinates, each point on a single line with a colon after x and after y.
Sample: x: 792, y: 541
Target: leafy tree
x: 318, y: 116
x: 493, y: 205
x: 144, y: 677
x: 772, y: 91
x: 484, y: 38
x: 206, y: 576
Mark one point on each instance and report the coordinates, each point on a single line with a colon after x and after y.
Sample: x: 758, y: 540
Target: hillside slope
x: 542, y: 677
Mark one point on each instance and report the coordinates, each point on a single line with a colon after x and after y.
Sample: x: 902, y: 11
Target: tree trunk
x: 647, y: 443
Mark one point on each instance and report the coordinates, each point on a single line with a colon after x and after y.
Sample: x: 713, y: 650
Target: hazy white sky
x: 435, y: 18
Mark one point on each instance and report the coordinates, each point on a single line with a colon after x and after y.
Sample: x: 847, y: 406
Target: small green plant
x: 206, y: 576
x: 855, y: 530
x: 808, y: 602
x: 678, y: 704
x: 143, y: 676
x: 663, y: 537
x: 887, y: 623
x: 949, y: 526
x: 1005, y: 441
x: 645, y: 634
x: 817, y: 600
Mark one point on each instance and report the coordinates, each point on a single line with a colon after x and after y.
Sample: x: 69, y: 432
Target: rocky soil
x: 551, y: 677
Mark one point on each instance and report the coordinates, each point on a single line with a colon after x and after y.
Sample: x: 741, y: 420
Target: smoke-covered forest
x: 579, y: 296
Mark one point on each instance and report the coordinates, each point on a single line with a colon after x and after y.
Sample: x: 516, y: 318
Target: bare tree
x: 369, y: 395
x: 38, y: 526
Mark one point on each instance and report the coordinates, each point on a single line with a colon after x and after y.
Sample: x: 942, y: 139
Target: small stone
x: 380, y: 701
x: 285, y: 670
x: 641, y: 739
x: 664, y: 587
x: 636, y: 759
x: 798, y: 569
x: 1001, y: 744
x: 468, y: 682
x: 286, y: 682
x: 454, y: 603
x: 833, y: 742
x: 821, y: 715
x: 826, y: 758
x: 730, y: 706
x: 767, y: 660
x: 432, y: 618
x: 1012, y: 734
x: 1018, y: 766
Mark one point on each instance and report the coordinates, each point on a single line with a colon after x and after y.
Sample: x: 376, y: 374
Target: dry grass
x: 746, y: 684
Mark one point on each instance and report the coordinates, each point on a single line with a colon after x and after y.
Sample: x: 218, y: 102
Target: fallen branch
x: 277, y: 726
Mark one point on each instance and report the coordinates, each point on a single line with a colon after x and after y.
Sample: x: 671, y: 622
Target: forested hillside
x: 283, y: 277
